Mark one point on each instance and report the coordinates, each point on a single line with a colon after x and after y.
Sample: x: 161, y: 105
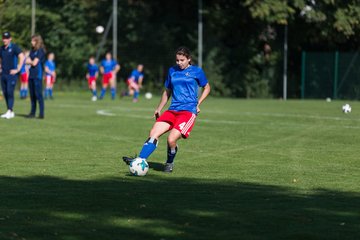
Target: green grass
x: 252, y: 169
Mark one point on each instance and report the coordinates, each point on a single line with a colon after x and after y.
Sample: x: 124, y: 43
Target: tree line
x: 243, y: 40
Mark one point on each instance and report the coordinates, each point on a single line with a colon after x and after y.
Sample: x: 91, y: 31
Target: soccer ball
x: 346, y: 108
x: 139, y: 167
x: 99, y: 29
x: 148, y: 95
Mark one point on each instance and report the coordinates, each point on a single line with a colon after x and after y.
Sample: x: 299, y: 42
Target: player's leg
x: 113, y: 87
x: 104, y: 85
x: 39, y: 96
x: 51, y: 86
x: 4, y: 90
x: 151, y: 143
x: 46, y: 91
x: 93, y: 89
x: 172, y: 148
x: 136, y: 88
x: 32, y: 98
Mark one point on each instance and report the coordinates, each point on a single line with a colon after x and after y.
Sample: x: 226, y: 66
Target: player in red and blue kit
x: 50, y: 76
x: 181, y: 85
x: 24, y: 77
x: 91, y: 76
x: 109, y: 67
x: 135, y: 81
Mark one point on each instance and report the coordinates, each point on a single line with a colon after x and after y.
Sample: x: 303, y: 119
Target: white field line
x: 229, y: 122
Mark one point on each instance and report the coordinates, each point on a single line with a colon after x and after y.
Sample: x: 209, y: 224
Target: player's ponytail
x: 184, y: 51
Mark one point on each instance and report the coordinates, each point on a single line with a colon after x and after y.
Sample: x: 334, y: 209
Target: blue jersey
x: 184, y: 85
x: 51, y: 66
x: 9, y: 57
x: 23, y: 67
x: 135, y: 74
x: 93, y: 69
x: 36, y: 71
x: 108, y: 65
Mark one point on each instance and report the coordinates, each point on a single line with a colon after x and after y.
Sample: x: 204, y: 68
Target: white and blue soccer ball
x: 139, y: 167
x: 346, y: 108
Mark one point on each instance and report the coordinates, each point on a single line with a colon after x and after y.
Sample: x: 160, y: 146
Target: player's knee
x: 171, y: 141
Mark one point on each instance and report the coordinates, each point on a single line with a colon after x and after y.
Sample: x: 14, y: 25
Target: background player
x: 24, y: 77
x: 91, y: 76
x: 12, y: 59
x: 50, y: 76
x: 182, y: 85
x: 109, y: 67
x: 35, y: 60
x: 135, y: 81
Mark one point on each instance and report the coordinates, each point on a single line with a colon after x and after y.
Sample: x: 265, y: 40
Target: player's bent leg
x: 173, y: 137
x: 150, y: 144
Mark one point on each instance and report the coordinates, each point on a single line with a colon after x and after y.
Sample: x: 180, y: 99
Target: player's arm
x: 47, y: 70
x: 204, y: 94
x: 117, y: 68
x: 21, y: 57
x: 102, y: 69
x: 141, y: 78
x: 32, y: 62
x: 164, y: 99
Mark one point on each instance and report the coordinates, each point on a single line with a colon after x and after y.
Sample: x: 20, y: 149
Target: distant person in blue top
x: 24, y: 77
x: 12, y: 59
x: 181, y: 85
x: 50, y: 75
x: 109, y: 67
x: 135, y: 81
x: 91, y: 75
x: 36, y: 60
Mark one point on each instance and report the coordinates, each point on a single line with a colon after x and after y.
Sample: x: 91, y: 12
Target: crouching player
x: 91, y: 76
x: 135, y: 82
x: 181, y: 85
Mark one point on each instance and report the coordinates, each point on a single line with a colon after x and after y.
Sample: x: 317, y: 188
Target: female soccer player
x: 50, y: 77
x: 135, y: 82
x: 182, y: 85
x: 35, y: 60
x: 24, y: 77
x: 109, y: 67
x: 91, y: 76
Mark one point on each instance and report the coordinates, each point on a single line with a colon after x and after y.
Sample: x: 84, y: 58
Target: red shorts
x: 133, y: 84
x: 183, y: 121
x: 49, y: 80
x: 91, y: 80
x: 107, y: 77
x: 24, y: 78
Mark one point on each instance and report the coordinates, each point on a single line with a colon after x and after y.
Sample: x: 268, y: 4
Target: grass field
x: 252, y: 169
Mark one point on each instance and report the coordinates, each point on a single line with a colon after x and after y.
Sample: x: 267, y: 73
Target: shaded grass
x: 259, y: 169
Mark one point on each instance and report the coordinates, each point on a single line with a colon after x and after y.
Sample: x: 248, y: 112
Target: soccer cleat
x: 168, y: 168
x: 128, y: 160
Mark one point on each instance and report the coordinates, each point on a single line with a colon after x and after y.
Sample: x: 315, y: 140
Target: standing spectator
x: 36, y: 60
x: 12, y: 58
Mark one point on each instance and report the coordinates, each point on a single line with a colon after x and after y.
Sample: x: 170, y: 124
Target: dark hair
x: 185, y: 52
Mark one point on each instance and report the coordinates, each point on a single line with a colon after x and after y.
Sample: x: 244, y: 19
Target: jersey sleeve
x: 17, y: 50
x: 168, y: 79
x: 41, y: 55
x: 201, y: 78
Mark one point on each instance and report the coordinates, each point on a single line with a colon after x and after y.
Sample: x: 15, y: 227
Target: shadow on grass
x: 170, y: 208
x: 156, y: 166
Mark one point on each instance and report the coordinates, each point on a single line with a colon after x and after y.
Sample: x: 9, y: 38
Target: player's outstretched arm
x: 204, y: 94
x: 164, y: 99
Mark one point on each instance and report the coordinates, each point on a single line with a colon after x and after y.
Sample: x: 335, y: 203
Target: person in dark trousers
x: 12, y: 59
x: 36, y: 60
